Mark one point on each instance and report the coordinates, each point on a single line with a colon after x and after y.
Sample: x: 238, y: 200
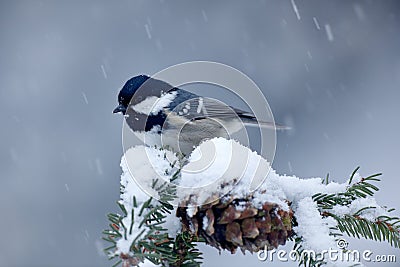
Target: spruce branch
x: 187, y: 251
x: 249, y: 221
x: 383, y: 228
x: 306, y: 259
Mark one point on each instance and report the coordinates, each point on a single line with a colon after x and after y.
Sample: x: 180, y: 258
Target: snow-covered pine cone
x: 229, y: 224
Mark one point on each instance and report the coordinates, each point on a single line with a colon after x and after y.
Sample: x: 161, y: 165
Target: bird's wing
x: 196, y: 107
x: 193, y: 107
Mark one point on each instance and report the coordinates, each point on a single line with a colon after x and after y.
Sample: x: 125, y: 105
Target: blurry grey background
x: 63, y: 62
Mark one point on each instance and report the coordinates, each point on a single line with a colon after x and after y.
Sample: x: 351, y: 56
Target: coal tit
x: 160, y: 114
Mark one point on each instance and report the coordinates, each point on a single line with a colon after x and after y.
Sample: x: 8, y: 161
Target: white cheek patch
x: 152, y: 104
x: 146, y: 105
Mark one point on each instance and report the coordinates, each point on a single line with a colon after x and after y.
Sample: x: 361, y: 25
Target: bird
x: 163, y: 115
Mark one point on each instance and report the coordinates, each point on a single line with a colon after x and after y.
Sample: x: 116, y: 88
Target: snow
x: 147, y: 263
x: 191, y: 209
x: 306, y: 67
x: 147, y: 28
x: 296, y: 10
x: 99, y: 247
x: 140, y: 166
x: 316, y: 23
x: 309, y: 55
x: 205, y: 223
x: 329, y: 33
x: 172, y: 224
x: 224, y: 168
x: 240, y: 206
x: 203, y: 13
x: 99, y: 167
x: 221, y: 166
x: 103, y: 70
x: 359, y: 12
x: 312, y: 226
x: 85, y: 98
x: 369, y: 214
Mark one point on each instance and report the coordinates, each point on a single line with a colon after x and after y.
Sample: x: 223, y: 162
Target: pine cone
x: 236, y: 223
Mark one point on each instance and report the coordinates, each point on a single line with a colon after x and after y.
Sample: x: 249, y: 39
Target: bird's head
x: 149, y: 87
x: 127, y: 92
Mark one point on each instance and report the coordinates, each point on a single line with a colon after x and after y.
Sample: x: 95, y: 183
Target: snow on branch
x: 229, y: 197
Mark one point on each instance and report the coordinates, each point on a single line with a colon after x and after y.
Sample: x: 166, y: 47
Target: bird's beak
x: 120, y: 108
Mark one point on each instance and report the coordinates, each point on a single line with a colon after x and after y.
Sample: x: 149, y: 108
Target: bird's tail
x: 265, y: 124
